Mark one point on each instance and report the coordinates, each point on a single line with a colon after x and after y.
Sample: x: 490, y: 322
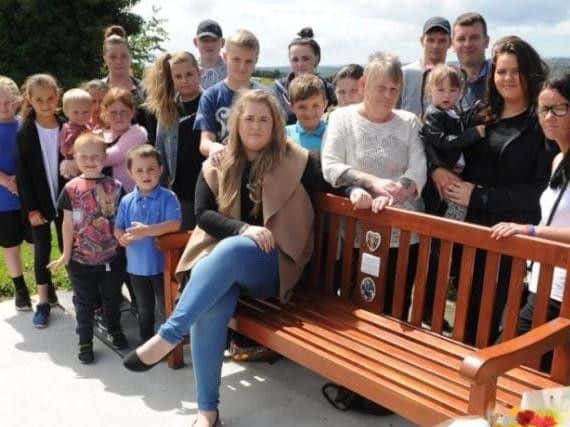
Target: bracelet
x: 531, y: 231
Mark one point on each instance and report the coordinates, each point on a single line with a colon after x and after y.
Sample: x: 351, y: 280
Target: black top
x: 220, y: 226
x: 189, y: 159
x: 510, y: 168
x: 33, y: 187
x: 445, y: 137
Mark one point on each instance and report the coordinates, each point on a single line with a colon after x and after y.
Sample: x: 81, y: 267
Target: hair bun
x: 115, y: 30
x: 306, y: 33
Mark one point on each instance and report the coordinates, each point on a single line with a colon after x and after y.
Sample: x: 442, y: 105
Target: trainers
x: 119, y: 340
x: 41, y: 316
x: 22, y: 301
x: 86, y: 355
x: 52, y: 296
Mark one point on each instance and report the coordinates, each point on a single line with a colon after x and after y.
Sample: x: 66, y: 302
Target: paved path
x: 44, y: 385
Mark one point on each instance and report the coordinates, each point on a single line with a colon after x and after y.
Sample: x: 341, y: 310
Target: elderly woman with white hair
x: 377, y: 150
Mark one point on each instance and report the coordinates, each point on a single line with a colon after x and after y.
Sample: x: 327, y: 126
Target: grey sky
x: 348, y: 31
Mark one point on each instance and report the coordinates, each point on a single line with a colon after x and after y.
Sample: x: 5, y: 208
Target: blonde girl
x: 97, y: 89
x: 15, y: 227
x: 39, y: 181
x: 173, y: 94
x: 231, y: 250
x: 117, y: 112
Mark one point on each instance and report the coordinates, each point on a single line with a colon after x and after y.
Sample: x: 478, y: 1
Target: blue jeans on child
x: 235, y: 266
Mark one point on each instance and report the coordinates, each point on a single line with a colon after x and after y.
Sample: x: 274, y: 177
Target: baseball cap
x: 209, y: 28
x: 437, y: 22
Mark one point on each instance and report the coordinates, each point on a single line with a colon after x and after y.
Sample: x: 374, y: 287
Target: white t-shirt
x: 561, y: 218
x: 50, y: 155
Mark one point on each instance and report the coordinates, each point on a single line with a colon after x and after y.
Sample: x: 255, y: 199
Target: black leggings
x: 41, y: 236
x: 525, y: 323
x: 147, y: 290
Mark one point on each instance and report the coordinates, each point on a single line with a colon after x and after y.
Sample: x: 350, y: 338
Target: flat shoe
x: 133, y: 363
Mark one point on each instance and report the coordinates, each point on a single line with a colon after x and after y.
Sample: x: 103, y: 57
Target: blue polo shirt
x: 309, y: 140
x: 143, y: 256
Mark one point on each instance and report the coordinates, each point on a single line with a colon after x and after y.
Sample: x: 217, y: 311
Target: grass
x: 59, y: 278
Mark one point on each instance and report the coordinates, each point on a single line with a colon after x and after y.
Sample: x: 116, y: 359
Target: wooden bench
x: 334, y: 326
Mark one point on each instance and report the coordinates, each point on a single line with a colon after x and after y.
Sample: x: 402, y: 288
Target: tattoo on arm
x: 406, y: 182
x: 349, y: 178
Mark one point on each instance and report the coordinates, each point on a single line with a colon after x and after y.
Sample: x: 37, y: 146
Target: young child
x: 77, y: 105
x: 97, y: 89
x: 147, y: 212
x: 89, y: 203
x: 308, y: 101
x: 120, y: 135
x: 15, y: 226
x: 240, y: 56
x: 38, y: 178
x: 209, y: 41
x: 445, y: 134
x: 173, y: 93
x: 346, y: 85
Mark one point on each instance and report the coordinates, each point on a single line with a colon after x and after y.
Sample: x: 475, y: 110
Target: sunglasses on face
x: 558, y: 110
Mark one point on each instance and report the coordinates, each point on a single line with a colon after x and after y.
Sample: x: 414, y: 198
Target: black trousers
x: 525, y: 323
x: 149, y: 293
x: 391, y: 277
x: 41, y: 236
x: 502, y: 288
x: 88, y: 283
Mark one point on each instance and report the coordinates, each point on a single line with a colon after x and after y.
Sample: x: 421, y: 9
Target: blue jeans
x: 236, y: 265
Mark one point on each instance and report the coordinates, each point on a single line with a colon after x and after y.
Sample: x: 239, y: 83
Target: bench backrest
x: 345, y: 279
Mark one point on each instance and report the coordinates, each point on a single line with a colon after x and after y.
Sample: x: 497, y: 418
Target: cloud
x: 350, y: 31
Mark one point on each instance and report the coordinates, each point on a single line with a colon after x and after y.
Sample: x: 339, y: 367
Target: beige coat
x: 287, y: 212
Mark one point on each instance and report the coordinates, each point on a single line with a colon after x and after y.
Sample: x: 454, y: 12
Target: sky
x: 348, y: 31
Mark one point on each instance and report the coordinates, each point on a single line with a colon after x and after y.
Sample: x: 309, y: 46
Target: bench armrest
x: 485, y: 365
x: 171, y: 241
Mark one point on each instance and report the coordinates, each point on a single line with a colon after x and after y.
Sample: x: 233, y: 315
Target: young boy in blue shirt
x: 147, y: 212
x: 308, y: 101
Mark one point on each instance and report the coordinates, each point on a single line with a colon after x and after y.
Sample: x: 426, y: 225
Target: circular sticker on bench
x: 368, y: 289
x: 373, y: 240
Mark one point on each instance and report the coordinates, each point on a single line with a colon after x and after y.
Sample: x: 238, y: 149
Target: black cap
x: 437, y: 22
x: 209, y: 28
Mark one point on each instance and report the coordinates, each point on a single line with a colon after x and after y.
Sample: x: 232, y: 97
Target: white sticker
x: 370, y: 265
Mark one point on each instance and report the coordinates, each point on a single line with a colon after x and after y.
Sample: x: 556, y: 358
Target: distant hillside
x: 556, y: 64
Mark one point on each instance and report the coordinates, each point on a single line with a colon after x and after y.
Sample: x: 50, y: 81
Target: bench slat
x: 330, y: 260
x: 347, y: 275
x: 401, y: 273
x: 316, y: 262
x: 541, y: 302
x: 487, y: 301
x: 518, y: 273
x: 464, y: 292
x: 420, y: 281
x: 441, y: 287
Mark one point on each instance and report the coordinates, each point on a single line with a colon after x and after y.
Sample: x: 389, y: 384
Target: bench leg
x: 482, y: 399
x: 176, y: 357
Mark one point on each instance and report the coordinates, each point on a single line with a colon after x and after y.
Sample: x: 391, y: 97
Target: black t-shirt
x: 189, y: 159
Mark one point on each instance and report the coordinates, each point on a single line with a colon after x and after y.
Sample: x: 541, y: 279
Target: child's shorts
x: 14, y: 229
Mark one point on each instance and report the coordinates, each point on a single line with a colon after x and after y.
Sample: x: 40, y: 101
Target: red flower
x: 525, y: 417
x: 546, y: 421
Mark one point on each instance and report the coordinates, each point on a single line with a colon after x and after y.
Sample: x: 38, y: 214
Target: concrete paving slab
x: 44, y: 385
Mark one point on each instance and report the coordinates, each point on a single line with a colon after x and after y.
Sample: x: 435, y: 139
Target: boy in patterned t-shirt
x: 90, y: 202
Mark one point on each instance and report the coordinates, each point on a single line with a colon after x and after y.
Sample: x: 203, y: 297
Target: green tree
x: 62, y: 37
x: 147, y: 43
